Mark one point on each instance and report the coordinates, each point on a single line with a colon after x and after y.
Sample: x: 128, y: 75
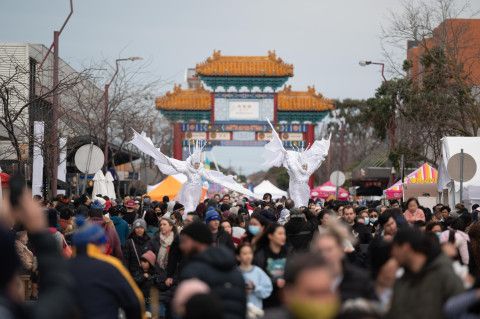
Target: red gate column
x: 177, y: 141
x: 310, y: 138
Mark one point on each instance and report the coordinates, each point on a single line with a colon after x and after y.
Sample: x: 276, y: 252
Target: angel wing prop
x: 167, y: 165
x: 274, y: 151
x: 316, y: 153
x: 226, y: 181
x: 171, y: 166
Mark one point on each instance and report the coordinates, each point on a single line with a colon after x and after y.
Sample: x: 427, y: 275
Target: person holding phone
x: 56, y: 298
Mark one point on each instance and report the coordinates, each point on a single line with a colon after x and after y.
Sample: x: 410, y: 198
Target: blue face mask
x: 367, y: 221
x: 373, y: 220
x: 254, y: 230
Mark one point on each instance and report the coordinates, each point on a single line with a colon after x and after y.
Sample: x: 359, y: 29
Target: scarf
x: 165, y: 242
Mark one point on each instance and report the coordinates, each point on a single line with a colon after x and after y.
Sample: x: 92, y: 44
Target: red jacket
x: 112, y: 236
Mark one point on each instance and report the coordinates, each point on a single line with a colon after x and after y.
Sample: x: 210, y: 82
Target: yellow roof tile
x: 254, y: 66
x: 197, y: 99
x: 309, y: 100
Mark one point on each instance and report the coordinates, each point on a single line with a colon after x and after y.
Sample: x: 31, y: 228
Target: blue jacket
x: 263, y: 285
x: 121, y: 226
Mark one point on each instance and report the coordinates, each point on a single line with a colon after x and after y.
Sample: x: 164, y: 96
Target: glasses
x: 373, y: 216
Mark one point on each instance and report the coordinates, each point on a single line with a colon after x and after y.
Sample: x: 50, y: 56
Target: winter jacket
x: 413, y: 217
x: 284, y: 216
x: 216, y: 266
x: 140, y: 244
x: 175, y: 259
x: 121, y: 227
x: 156, y: 278
x: 461, y: 243
x: 112, y: 236
x: 274, y: 266
x: 29, y: 263
x: 224, y: 239
x: 152, y: 231
x: 300, y: 233
x: 356, y: 284
x: 103, y: 285
x: 262, y: 286
x: 423, y: 294
x: 58, y: 301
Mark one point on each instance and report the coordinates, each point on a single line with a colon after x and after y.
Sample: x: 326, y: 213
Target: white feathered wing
x: 275, y: 153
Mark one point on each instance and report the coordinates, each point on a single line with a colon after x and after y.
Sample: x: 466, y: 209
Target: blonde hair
x: 338, y: 231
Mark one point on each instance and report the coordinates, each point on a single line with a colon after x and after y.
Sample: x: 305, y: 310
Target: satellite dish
x: 337, y: 178
x: 89, y: 159
x: 469, y: 167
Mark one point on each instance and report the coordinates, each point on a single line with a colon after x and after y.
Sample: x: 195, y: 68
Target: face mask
x: 367, y: 221
x: 254, y: 230
x: 146, y: 201
x: 314, y: 310
x: 438, y: 234
x: 373, y: 220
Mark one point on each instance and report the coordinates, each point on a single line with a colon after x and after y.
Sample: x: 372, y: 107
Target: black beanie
x: 198, y: 232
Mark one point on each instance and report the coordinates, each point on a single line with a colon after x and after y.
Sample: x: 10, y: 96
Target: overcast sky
x: 323, y: 39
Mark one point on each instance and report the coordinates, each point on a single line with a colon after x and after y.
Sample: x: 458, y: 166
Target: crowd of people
x: 235, y: 258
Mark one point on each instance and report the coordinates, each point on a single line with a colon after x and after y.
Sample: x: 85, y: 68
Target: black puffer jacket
x: 216, y: 267
x: 300, y: 233
x: 356, y: 284
x: 141, y: 246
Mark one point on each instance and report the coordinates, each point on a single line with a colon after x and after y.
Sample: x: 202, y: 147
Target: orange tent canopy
x: 170, y: 187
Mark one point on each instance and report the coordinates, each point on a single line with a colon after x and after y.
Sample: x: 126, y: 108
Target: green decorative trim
x: 302, y: 116
x: 186, y: 115
x: 239, y: 82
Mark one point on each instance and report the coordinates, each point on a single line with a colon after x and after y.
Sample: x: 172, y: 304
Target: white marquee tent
x: 267, y: 187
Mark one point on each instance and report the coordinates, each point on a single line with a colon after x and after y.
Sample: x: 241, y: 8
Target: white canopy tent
x: 450, y: 147
x: 110, y: 186
x: 99, y: 184
x: 267, y: 187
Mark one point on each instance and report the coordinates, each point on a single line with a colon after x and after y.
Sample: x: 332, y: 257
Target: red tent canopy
x: 5, y: 178
x: 326, y: 190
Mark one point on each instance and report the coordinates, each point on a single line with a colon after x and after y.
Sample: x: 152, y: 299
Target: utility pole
x: 53, y: 136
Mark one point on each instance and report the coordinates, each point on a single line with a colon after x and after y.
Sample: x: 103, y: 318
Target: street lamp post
x: 105, y: 100
x: 365, y: 63
x: 391, y: 125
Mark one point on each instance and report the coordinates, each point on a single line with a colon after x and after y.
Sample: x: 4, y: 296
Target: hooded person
x: 215, y: 266
x: 121, y: 226
x: 95, y: 216
x: 102, y: 284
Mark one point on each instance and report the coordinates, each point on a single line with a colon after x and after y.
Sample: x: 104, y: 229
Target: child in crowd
x: 257, y: 283
x: 148, y: 276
